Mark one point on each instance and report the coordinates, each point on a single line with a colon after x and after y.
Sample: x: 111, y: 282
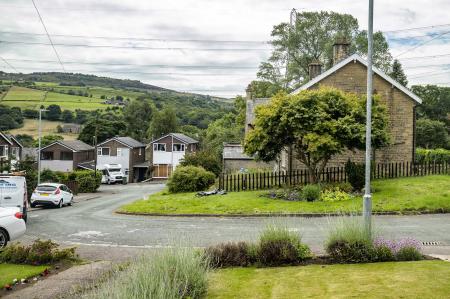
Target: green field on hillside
x: 30, y: 127
x: 27, y: 98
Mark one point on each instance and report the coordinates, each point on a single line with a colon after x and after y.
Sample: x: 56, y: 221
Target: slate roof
x: 179, y: 136
x: 75, y: 145
x: 128, y: 141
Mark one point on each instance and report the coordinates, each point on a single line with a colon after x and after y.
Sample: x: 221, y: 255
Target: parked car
x: 112, y: 173
x: 13, y: 193
x: 12, y: 225
x: 51, y: 194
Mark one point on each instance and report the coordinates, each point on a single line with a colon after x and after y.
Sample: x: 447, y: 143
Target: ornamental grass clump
x: 171, y: 273
x: 279, y: 246
x: 231, y: 254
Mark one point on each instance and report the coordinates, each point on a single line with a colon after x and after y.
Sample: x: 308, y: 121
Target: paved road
x: 100, y: 234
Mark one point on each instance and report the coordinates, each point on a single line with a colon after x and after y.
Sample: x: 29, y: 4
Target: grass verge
x: 403, y: 195
x: 8, y: 272
x: 424, y: 279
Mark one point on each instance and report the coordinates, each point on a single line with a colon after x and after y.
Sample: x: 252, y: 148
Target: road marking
x: 89, y: 234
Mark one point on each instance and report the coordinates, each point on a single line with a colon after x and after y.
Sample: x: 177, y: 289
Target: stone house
x: 127, y: 152
x: 349, y: 73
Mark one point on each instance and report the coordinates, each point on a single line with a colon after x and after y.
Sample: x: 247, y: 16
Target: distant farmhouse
x: 349, y: 73
x: 71, y: 128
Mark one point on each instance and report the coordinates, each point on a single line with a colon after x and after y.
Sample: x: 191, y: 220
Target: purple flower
x: 396, y: 246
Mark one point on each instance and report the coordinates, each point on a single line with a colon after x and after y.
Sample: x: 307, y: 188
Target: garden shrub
x: 278, y: 246
x: 402, y: 250
x: 408, y: 254
x: 311, y: 192
x: 38, y: 253
x: 231, y: 254
x: 335, y: 194
x: 344, y: 186
x: 189, y: 179
x: 87, y: 181
x: 438, y: 155
x: 355, y: 174
x: 171, y: 274
x: 208, y: 160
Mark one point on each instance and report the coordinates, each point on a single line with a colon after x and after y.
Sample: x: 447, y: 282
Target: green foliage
x: 47, y: 140
x: 335, y: 194
x: 311, y: 192
x: 163, y: 122
x: 10, y: 118
x: 67, y: 116
x: 432, y: 155
x: 87, y: 181
x: 30, y: 113
x: 312, y: 39
x: 436, y: 102
x: 397, y: 73
x: 205, y: 159
x: 25, y: 139
x: 344, y: 186
x: 53, y: 112
x: 137, y: 116
x: 409, y: 254
x: 38, y: 253
x: 107, y: 125
x: 278, y: 246
x: 331, y: 121
x: 169, y: 273
x: 190, y: 178
x: 231, y: 254
x: 432, y: 134
x: 355, y: 174
x: 221, y: 131
x: 264, y: 89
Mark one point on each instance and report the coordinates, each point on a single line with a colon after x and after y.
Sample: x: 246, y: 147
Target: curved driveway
x: 93, y: 226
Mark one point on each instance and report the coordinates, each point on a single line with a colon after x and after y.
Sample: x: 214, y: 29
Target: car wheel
x: 70, y: 202
x: 3, y: 239
x: 60, y: 205
x: 108, y: 182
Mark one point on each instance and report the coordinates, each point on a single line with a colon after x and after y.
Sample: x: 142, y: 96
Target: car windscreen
x: 46, y: 188
x: 114, y: 170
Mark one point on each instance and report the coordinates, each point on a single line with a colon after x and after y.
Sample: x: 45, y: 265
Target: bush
x: 87, y: 181
x: 408, y: 254
x: 355, y: 174
x: 349, y: 242
x: 172, y: 273
x: 38, y: 253
x: 189, y: 179
x: 335, y: 194
x: 205, y: 159
x: 278, y: 246
x: 402, y: 250
x: 311, y: 192
x: 432, y: 155
x: 230, y: 254
x: 344, y: 186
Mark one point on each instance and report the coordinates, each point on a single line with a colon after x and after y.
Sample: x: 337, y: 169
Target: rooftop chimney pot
x: 341, y: 49
x: 315, y: 69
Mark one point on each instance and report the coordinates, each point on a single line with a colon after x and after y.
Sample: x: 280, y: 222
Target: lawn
x: 424, y: 279
x: 30, y: 127
x: 413, y: 194
x: 8, y: 272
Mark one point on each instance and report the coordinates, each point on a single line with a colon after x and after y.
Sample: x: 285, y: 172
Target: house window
x: 119, y: 152
x: 47, y: 156
x: 103, y: 151
x: 178, y: 147
x: 159, y: 147
x: 15, y: 152
x: 4, y: 151
x: 66, y: 156
x: 140, y: 151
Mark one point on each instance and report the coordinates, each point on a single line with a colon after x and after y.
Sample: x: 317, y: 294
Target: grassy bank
x: 30, y: 127
x: 8, y: 272
x: 424, y: 279
x: 414, y: 194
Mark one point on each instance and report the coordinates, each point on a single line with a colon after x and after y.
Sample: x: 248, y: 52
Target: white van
x: 13, y: 193
x: 112, y: 173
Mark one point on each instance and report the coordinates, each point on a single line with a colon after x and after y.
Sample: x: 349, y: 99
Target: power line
x: 423, y: 43
x: 425, y: 65
x: 428, y: 56
x: 133, y: 47
x: 48, y: 35
x: 417, y: 28
x: 8, y: 64
x: 435, y: 73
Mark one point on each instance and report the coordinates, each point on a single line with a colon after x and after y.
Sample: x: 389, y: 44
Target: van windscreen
x: 46, y: 188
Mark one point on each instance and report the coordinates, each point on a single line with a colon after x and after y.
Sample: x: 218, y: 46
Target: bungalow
x: 167, y: 152
x: 66, y: 155
x: 127, y: 152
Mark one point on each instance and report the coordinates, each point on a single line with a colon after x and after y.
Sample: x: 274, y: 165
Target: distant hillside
x: 72, y: 79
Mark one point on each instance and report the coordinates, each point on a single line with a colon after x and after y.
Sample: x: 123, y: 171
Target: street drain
x: 431, y: 243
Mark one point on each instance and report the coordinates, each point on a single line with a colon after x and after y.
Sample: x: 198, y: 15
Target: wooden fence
x: 73, y: 186
x: 268, y: 180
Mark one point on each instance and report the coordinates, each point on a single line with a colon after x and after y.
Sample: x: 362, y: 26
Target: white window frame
x: 5, y: 151
x: 140, y: 151
x: 155, y: 147
x: 183, y: 147
x: 119, y: 152
x: 100, y: 152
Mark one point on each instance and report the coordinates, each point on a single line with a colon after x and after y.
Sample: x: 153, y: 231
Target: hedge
x: 439, y: 155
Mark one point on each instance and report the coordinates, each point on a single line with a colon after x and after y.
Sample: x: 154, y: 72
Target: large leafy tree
x: 138, y: 115
x: 104, y: 126
x: 317, y: 124
x: 312, y: 38
x: 432, y: 134
x: 436, y: 103
x: 53, y: 112
x: 163, y: 122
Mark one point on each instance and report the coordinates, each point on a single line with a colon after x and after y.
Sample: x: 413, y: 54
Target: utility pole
x: 292, y: 20
x: 95, y: 144
x: 39, y: 148
x: 367, y: 200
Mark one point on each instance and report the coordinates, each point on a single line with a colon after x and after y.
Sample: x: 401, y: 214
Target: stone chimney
x: 248, y: 92
x: 341, y: 49
x: 315, y: 69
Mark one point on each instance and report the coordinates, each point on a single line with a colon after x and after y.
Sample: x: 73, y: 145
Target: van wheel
x: 60, y: 205
x: 3, y: 238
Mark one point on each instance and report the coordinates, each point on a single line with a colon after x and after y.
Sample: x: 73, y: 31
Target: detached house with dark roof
x: 127, y: 152
x: 66, y: 155
x: 165, y: 153
x: 349, y: 73
x: 10, y: 147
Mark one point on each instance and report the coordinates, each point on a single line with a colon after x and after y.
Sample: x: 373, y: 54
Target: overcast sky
x: 147, y: 39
